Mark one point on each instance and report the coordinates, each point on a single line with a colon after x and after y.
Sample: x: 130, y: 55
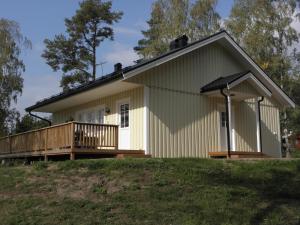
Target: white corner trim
x: 146, y: 119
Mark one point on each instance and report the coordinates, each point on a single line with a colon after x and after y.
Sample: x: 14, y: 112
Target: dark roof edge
x: 110, y: 77
x: 259, y: 66
x: 226, y: 82
x: 114, y: 76
x: 99, y: 82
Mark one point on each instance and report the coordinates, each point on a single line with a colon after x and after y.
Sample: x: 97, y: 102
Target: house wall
x: 246, y: 127
x: 136, y: 97
x: 185, y: 123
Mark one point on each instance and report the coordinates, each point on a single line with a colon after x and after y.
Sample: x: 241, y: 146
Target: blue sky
x: 43, y: 19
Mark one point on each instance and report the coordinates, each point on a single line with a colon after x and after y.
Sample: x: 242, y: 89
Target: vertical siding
x: 136, y: 97
x: 191, y: 71
x: 245, y: 88
x: 246, y: 127
x: 184, y: 123
x: 271, y: 143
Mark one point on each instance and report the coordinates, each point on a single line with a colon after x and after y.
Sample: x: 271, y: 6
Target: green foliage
x: 11, y: 69
x: 152, y: 191
x: 173, y: 18
x: 264, y: 29
x: 204, y: 19
x: 27, y: 123
x: 75, y: 53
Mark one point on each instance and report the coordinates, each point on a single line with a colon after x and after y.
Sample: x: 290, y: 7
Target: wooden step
x: 237, y: 155
x: 128, y: 155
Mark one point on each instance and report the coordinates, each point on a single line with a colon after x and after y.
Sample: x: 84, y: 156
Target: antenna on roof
x: 101, y: 64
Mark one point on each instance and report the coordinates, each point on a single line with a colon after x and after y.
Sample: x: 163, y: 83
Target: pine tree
x: 75, y: 53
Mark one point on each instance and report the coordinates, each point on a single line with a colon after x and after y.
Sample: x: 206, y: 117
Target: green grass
x: 151, y: 191
x: 295, y: 153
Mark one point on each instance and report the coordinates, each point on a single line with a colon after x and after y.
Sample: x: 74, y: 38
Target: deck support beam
x: 72, y: 156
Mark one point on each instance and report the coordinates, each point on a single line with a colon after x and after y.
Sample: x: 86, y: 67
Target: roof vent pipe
x: 179, y: 42
x: 118, y: 67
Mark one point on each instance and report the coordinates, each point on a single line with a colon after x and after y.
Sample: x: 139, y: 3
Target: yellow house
x: 199, y: 99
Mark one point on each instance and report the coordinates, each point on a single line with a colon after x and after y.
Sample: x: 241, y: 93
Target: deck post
x: 9, y: 142
x: 72, y: 136
x: 117, y: 137
x: 72, y: 156
x: 46, y: 145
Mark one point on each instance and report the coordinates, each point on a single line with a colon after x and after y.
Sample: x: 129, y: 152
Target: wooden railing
x: 63, y: 136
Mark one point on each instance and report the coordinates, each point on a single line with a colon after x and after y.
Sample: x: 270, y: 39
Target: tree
x: 169, y: 19
x: 173, y: 18
x: 205, y: 20
x: 75, y: 53
x: 27, y: 123
x: 11, y: 69
x: 264, y: 29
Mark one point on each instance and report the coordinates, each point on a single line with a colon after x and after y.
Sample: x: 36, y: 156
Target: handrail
x: 68, y: 135
x: 56, y: 125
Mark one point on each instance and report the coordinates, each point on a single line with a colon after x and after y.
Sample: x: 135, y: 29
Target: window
x: 223, y: 119
x: 100, y: 116
x: 124, y: 114
x: 95, y: 115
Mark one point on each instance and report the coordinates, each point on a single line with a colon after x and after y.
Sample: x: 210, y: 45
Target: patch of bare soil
x: 77, y: 187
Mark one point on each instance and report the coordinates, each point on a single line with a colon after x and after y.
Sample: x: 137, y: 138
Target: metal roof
x: 222, y: 82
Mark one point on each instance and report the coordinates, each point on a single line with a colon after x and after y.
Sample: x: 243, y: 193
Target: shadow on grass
x: 276, y: 186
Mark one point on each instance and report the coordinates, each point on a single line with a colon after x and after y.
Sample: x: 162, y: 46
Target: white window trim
x: 118, y: 103
x: 222, y: 107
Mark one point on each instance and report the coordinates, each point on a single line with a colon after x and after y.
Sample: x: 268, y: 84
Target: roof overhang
x: 229, y: 83
x: 258, y: 85
x: 224, y: 39
x: 114, y: 83
x: 86, y: 96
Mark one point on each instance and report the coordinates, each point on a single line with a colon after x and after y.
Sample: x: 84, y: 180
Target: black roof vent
x: 179, y: 42
x: 118, y: 67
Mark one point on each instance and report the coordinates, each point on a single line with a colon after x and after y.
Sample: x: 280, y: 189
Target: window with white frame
x: 124, y: 115
x: 95, y: 115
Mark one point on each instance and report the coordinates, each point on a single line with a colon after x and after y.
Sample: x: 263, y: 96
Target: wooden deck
x: 237, y: 155
x: 72, y: 139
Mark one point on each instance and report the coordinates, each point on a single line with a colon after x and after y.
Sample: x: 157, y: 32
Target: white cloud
x: 127, y: 31
x: 121, y: 53
x: 36, y: 88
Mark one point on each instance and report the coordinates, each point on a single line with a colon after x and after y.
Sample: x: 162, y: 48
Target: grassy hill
x: 151, y: 191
